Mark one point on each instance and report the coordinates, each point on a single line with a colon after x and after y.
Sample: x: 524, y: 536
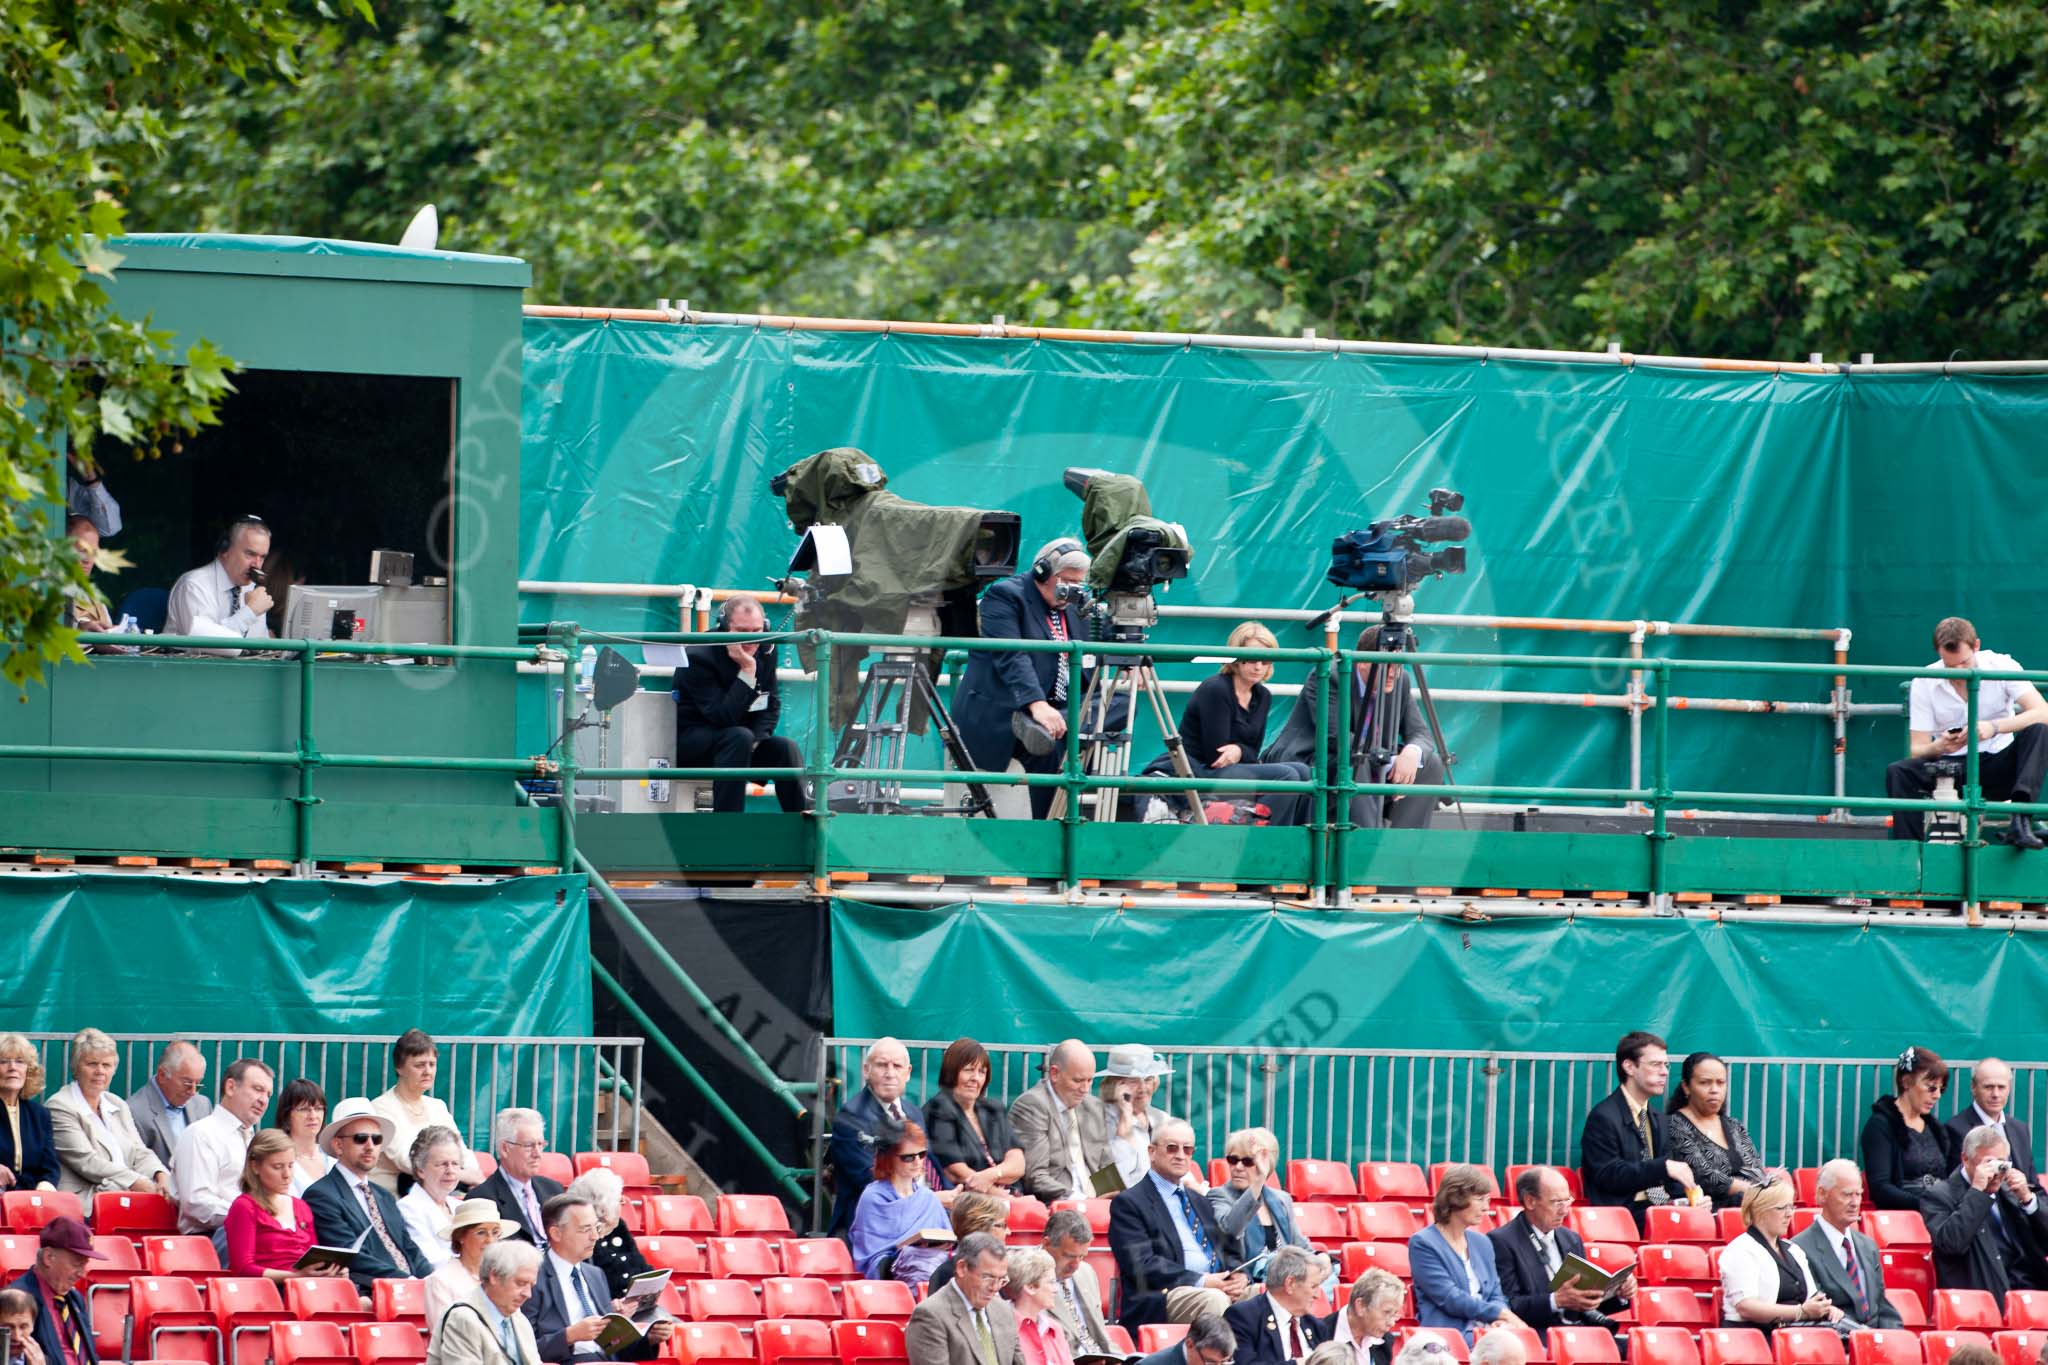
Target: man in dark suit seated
x: 63, y: 1331
x: 884, y: 1073
x: 346, y: 1202
x: 1166, y: 1241
x: 1209, y: 1342
x: 569, y: 1300
x: 1009, y: 705
x: 727, y: 704
x: 1990, y: 1091
x: 1622, y: 1145
x: 1277, y: 1326
x: 1530, y: 1248
x: 1989, y: 1229
x: 1845, y: 1264
x: 519, y: 1141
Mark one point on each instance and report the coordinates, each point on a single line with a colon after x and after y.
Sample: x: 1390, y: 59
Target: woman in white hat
x: 1121, y: 1084
x: 475, y: 1226
x: 436, y: 1161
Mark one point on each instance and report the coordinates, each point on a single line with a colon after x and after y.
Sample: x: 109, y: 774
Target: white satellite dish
x: 424, y: 231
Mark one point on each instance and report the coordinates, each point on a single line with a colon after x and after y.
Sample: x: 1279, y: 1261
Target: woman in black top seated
x: 1904, y: 1145
x: 1224, y: 728
x: 971, y: 1141
x: 1705, y: 1136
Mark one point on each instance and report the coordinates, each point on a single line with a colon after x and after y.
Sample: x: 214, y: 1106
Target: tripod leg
x: 1090, y: 702
x: 1112, y: 755
x: 1436, y: 731
x: 978, y: 799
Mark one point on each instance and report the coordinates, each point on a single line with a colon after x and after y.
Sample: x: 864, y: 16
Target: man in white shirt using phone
x: 2012, y: 746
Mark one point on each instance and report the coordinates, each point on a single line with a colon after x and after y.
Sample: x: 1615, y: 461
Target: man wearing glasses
x: 1168, y: 1248
x: 965, y: 1323
x: 1622, y: 1145
x: 1209, y: 1342
x: 2012, y: 748
x: 206, y: 1168
x: 348, y: 1205
x: 1529, y: 1250
x: 517, y: 1187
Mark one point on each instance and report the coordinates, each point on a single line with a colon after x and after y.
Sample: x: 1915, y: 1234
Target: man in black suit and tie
x: 727, y: 704
x: 1530, y: 1248
x: 569, y: 1298
x: 1209, y: 1342
x: 520, y: 1139
x: 346, y: 1202
x: 1990, y: 1091
x: 1276, y: 1328
x: 1989, y: 1229
x: 884, y: 1074
x: 1845, y: 1264
x: 1622, y: 1145
x: 63, y: 1323
x: 1166, y: 1242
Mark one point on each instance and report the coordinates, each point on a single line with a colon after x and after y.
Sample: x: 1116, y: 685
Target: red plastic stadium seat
x: 397, y: 1342
x: 245, y: 1308
x: 1966, y: 1310
x: 1912, y: 1312
x: 793, y: 1341
x: 557, y: 1167
x: 1911, y: 1269
x: 1604, y: 1223
x: 725, y: 1301
x: 121, y: 1265
x: 399, y: 1301
x: 740, y: 1215
x: 1808, y: 1346
x: 171, y: 1320
x: 1360, y: 1257
x: 1533, y: 1348
x: 1610, y: 1255
x: 1379, y: 1181
x: 1437, y: 1169
x: 486, y: 1163
x: 1388, y: 1222
x: 1659, y: 1305
x: 192, y: 1257
x: 1120, y: 1337
x: 1937, y: 1347
x: 1728, y: 1223
x: 133, y: 1215
x: 743, y: 1258
x: 1885, y: 1348
x: 1026, y: 1221
x: 1802, y: 1219
x: 631, y: 1167
x: 1734, y: 1346
x: 324, y: 1298
x: 1572, y: 1180
x: 1323, y: 1224
x: 695, y: 1341
x: 2026, y: 1310
x: 1095, y: 1210
x: 858, y: 1342
x: 29, y: 1210
x: 1583, y: 1346
x: 310, y: 1343
x: 678, y: 1255
x: 17, y: 1252
x: 1661, y: 1346
x: 824, y: 1258
x: 1682, y: 1223
x: 1891, y: 1228
x: 878, y: 1300
x: 1157, y: 1336
x: 1327, y: 1182
x: 1675, y: 1263
x: 1806, y: 1186
x: 2014, y: 1348
x: 786, y: 1297
x: 668, y: 1213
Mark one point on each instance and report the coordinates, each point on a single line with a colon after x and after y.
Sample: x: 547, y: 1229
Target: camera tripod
x: 879, y: 732
x: 1106, y: 752
x: 1376, y: 743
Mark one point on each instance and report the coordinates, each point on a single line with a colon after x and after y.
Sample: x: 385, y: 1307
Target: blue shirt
x: 1192, y: 1255
x: 174, y: 1114
x: 498, y: 1323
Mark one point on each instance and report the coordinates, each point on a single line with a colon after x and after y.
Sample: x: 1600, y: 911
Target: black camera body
x: 1149, y: 558
x: 1387, y: 556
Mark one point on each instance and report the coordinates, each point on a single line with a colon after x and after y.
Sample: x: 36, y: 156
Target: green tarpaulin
x: 178, y: 954
x: 1595, y: 491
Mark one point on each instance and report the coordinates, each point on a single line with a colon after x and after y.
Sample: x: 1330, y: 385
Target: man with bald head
x: 884, y: 1073
x: 1063, y: 1129
x: 1990, y: 1102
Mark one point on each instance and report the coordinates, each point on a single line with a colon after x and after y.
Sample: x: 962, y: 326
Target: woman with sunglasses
x: 1255, y: 1217
x: 896, y: 1208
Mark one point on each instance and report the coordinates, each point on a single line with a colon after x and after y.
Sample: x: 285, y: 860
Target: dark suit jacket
x: 338, y: 1219
x: 994, y: 684
x: 1614, y: 1165
x: 36, y: 1163
x: 1296, y: 742
x: 1148, y: 1252
x: 146, y: 1106
x: 1884, y: 1143
x: 1258, y: 1332
x: 46, y: 1322
x: 852, y: 1153
x: 498, y: 1192
x: 551, y: 1317
x: 710, y: 695
x: 953, y: 1141
x: 1526, y: 1283
x: 1831, y: 1280
x: 1966, y: 1248
x: 2017, y: 1137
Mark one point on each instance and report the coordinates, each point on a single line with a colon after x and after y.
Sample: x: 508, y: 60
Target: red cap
x: 68, y: 1234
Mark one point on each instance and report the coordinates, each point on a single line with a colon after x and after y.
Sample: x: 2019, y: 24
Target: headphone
x: 1042, y: 567
x: 227, y: 535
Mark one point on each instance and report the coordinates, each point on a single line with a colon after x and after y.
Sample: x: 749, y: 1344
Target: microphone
x: 1444, y: 528
x: 256, y: 578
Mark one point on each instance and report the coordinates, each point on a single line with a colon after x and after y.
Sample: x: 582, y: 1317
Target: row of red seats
x: 1786, y: 1346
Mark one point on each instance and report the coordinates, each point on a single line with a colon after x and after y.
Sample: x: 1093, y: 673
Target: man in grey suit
x: 486, y: 1326
x: 965, y: 1323
x: 1990, y: 1090
x: 1064, y: 1129
x: 1079, y: 1303
x: 169, y: 1102
x: 1844, y: 1262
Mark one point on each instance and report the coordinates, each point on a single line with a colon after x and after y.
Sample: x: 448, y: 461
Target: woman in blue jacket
x: 1456, y: 1285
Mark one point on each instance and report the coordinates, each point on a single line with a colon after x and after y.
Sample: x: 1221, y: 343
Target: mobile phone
x: 1953, y: 730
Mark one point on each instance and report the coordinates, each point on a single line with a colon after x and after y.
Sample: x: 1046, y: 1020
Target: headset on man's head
x: 1048, y: 559
x: 227, y: 535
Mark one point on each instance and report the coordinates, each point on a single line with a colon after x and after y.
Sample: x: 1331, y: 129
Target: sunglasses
x: 361, y: 1138
x: 910, y: 1156
x: 1239, y: 1161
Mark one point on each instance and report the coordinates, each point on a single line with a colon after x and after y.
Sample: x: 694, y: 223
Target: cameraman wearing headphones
x: 1011, y: 705
x: 726, y: 708
x: 225, y: 598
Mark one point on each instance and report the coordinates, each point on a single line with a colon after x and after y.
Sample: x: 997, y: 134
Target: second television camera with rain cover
x: 880, y: 564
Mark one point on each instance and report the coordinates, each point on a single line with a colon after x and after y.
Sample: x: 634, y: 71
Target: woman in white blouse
x: 1765, y: 1280
x: 96, y: 1139
x: 410, y: 1107
x: 429, y: 1206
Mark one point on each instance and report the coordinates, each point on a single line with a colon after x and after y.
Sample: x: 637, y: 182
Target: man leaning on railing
x: 2012, y: 747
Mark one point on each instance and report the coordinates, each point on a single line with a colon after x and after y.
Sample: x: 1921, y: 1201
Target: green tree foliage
x: 1732, y: 177
x: 88, y: 87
